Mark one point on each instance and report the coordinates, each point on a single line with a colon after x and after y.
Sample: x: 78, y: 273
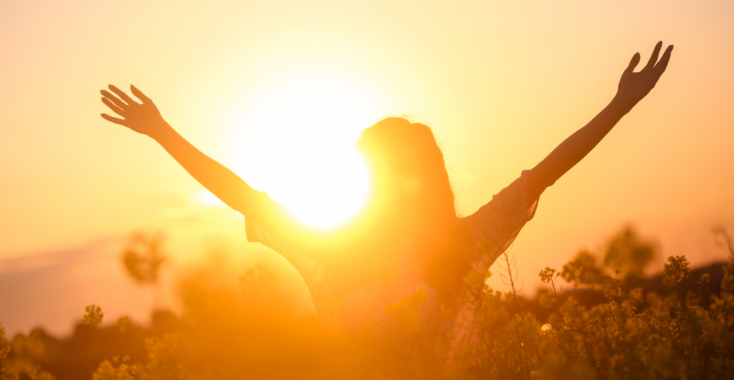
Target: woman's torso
x: 390, y: 294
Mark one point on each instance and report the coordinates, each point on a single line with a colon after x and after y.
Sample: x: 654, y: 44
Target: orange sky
x: 501, y: 83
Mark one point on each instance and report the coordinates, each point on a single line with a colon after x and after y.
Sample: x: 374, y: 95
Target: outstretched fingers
x: 663, y: 64
x: 114, y: 99
x: 122, y: 95
x: 139, y: 94
x: 113, y: 119
x: 654, y: 56
x: 113, y: 107
x: 633, y: 63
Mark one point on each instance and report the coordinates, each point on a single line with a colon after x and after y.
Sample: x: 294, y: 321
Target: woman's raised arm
x: 145, y: 118
x: 632, y: 88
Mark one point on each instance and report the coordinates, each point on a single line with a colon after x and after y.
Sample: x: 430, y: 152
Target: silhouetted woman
x: 406, y: 264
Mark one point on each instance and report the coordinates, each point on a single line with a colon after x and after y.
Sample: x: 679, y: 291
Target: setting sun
x: 294, y: 140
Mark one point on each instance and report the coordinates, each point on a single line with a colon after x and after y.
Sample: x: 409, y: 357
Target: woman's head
x: 412, y: 192
x: 407, y: 168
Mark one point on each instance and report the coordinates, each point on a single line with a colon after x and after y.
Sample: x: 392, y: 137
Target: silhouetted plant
x: 549, y: 276
x: 676, y: 270
x: 584, y: 269
x: 17, y: 368
x: 123, y: 324
x: 143, y: 258
x: 723, y: 233
x: 629, y: 253
x: 93, y: 315
x: 4, y: 350
x: 508, y: 274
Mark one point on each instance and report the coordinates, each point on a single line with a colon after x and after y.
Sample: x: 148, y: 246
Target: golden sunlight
x: 206, y: 198
x: 294, y: 139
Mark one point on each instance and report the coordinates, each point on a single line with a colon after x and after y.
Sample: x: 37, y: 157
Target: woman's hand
x: 142, y: 118
x: 634, y: 86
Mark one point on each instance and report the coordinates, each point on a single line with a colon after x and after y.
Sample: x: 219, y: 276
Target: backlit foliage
x: 611, y: 324
x: 93, y: 315
x: 143, y: 258
x: 676, y: 270
x: 115, y: 369
x: 549, y: 276
x: 123, y: 324
x: 631, y: 336
x: 4, y: 349
x: 629, y: 253
x: 14, y: 368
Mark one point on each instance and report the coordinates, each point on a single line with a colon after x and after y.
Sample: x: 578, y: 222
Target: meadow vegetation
x: 601, y: 316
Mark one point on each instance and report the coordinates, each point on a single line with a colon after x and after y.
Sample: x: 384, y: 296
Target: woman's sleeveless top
x: 400, y: 298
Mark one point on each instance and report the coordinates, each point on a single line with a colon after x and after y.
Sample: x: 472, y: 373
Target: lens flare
x: 295, y: 141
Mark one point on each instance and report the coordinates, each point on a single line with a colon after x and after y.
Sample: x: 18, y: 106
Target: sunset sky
x: 279, y: 90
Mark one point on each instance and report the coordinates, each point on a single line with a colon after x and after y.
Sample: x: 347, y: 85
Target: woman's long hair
x: 412, y: 195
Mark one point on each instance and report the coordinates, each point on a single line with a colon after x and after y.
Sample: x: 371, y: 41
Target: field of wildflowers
x: 598, y: 317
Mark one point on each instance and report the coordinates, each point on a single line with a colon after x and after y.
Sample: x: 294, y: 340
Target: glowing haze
x: 279, y: 91
x: 308, y: 119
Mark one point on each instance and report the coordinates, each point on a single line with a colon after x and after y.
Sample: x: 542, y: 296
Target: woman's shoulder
x: 503, y: 215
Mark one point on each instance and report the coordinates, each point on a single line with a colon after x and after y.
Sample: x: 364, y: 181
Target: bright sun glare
x: 295, y: 140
